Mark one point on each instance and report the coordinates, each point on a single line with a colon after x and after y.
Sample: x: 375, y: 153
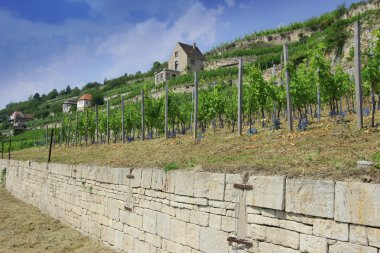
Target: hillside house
x: 18, y: 119
x: 68, y: 104
x: 84, y: 102
x: 184, y: 58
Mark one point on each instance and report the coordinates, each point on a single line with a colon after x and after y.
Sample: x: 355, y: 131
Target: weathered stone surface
x: 271, y: 248
x: 184, y: 183
x: 310, y: 197
x: 374, y: 237
x: 342, y: 247
x: 209, y: 185
x: 215, y: 221
x: 192, y: 235
x: 262, y: 220
x: 357, y: 203
x: 358, y: 235
x: 218, y: 243
x: 163, y: 225
x: 330, y: 229
x: 150, y: 221
x: 199, y: 218
x: 146, y: 178
x: 258, y: 233
x: 178, y: 231
x: 313, y: 244
x: 158, y: 178
x: 296, y: 226
x: 268, y: 192
x: 228, y: 224
x: 282, y: 237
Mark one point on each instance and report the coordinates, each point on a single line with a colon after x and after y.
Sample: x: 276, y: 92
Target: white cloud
x: 45, y: 56
x: 230, y: 3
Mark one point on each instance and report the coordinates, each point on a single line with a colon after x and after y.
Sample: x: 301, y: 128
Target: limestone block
x: 343, y: 247
x: 199, y: 218
x: 141, y: 246
x: 184, y: 183
x: 258, y: 233
x: 173, y: 247
x: 374, y: 236
x: 183, y: 214
x: 313, y: 244
x: 146, y: 178
x: 136, y: 181
x: 215, y: 221
x: 119, y: 240
x: 228, y: 224
x: 262, y: 220
x: 158, y: 178
x: 330, y: 229
x: 357, y: 203
x: 163, y: 225
x: 267, y: 192
x: 131, y: 219
x: 310, y: 197
x: 128, y: 243
x: 358, y: 235
x: 190, y: 200
x: 209, y: 185
x: 296, y: 226
x: 282, y: 237
x: 271, y: 248
x: 150, y: 221
x: 169, y: 181
x: 192, y: 235
x: 213, y: 241
x: 178, y: 231
x: 231, y: 193
x: 153, y: 240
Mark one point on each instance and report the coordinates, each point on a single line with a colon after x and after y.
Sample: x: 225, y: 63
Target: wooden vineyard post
x: 96, y: 124
x: 86, y: 135
x: 319, y: 100
x: 240, y: 97
x: 51, y: 143
x: 358, y: 78
x: 55, y: 127
x: 61, y: 134
x: 108, y: 122
x: 288, y: 97
x: 166, y: 109
x: 9, y: 148
x: 274, y: 102
x: 76, y: 129
x: 122, y: 120
x: 195, y: 133
x: 46, y: 135
x: 68, y: 132
x: 142, y: 116
x: 2, y: 150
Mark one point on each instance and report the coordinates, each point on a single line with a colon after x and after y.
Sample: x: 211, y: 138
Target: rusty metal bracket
x: 128, y: 208
x: 130, y: 176
x: 243, y: 187
x: 239, y: 241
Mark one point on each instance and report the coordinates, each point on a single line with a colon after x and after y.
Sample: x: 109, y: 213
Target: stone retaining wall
x: 192, y: 212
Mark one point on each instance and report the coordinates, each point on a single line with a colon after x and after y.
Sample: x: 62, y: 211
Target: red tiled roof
x: 86, y: 97
x: 17, y: 114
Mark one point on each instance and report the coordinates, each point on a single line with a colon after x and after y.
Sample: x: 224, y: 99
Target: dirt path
x: 23, y: 228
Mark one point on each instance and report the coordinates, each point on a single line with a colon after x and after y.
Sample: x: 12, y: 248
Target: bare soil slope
x: 23, y: 228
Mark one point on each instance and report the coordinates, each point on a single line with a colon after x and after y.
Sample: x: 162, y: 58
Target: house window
x: 176, y: 54
x: 176, y: 65
x: 192, y: 61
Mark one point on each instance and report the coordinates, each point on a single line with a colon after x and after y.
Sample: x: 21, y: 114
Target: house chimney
x: 195, y: 46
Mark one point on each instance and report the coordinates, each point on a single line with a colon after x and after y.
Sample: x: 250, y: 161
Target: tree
x: 68, y: 89
x: 37, y: 96
x: 97, y: 98
x: 53, y: 94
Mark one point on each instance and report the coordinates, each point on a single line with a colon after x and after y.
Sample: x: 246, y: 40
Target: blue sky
x: 47, y: 44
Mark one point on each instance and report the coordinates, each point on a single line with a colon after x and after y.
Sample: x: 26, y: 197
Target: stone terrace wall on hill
x: 192, y: 212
